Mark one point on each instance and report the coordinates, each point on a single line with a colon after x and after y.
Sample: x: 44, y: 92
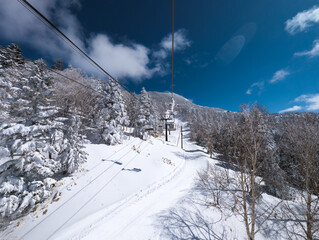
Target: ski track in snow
x: 91, y: 170
x: 132, y: 201
x: 138, y: 212
x: 97, y: 192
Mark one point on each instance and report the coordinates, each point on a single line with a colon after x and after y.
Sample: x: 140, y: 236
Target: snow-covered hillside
x: 185, y: 108
x: 134, y: 176
x: 136, y: 190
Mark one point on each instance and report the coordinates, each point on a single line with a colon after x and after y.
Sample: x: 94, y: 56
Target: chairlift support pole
x: 182, y: 137
x: 164, y: 118
x: 166, y: 135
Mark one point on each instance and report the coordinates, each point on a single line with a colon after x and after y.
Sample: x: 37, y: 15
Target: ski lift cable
x: 82, y: 189
x: 173, y: 21
x: 52, y: 70
x: 62, y: 75
x: 98, y: 192
x: 59, y: 73
x: 55, y: 32
x: 85, y: 86
x: 108, y: 157
x: 54, y: 28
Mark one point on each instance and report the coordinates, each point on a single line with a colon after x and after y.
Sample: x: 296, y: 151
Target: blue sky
x: 227, y: 52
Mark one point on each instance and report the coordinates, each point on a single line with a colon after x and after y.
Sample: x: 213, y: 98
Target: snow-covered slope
x: 161, y: 100
x: 136, y: 190
x: 114, y: 179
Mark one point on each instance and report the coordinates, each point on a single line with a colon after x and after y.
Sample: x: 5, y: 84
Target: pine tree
x: 71, y: 154
x: 5, y: 94
x: 113, y: 115
x: 27, y: 145
x: 132, y: 104
x: 11, y: 55
x: 37, y: 144
x: 146, y: 118
x: 58, y: 65
x: 10, y: 58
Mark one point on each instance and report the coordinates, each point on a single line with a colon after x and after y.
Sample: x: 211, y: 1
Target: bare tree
x: 74, y: 98
x: 240, y: 180
x: 303, y: 141
x: 247, y: 140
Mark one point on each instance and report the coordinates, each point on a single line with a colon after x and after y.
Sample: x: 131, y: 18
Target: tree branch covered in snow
x: 37, y: 144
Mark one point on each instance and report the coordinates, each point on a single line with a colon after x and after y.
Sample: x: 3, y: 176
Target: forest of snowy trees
x: 45, y: 118
x: 275, y: 154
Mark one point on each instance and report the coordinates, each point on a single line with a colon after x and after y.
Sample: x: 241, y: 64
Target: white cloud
x: 312, y: 53
x: 248, y: 92
x: 131, y: 60
x: 303, y: 20
x: 121, y: 60
x: 27, y: 29
x: 292, y: 109
x: 159, y: 56
x: 311, y: 101
x: 181, y: 42
x: 279, y: 76
x: 258, y: 85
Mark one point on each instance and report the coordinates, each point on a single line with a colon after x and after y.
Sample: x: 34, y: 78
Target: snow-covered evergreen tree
x: 5, y: 94
x: 113, y: 115
x: 71, y: 153
x: 58, y: 65
x: 26, y: 145
x: 36, y: 143
x: 146, y: 118
x: 132, y: 103
x: 9, y: 57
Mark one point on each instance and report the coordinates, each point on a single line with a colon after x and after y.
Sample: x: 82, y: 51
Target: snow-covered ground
x: 135, y: 190
x: 116, y: 194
